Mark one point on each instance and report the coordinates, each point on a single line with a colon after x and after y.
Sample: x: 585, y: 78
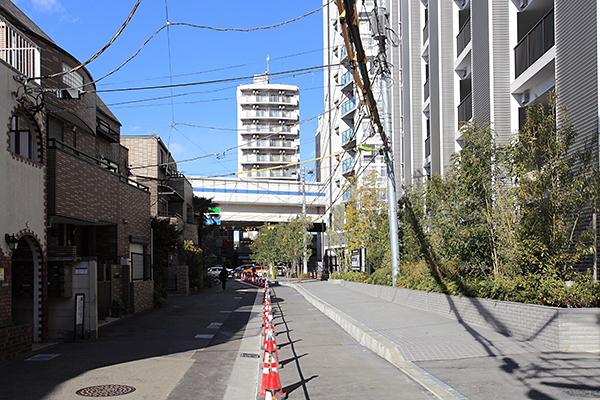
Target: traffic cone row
x: 253, y: 279
x: 270, y: 387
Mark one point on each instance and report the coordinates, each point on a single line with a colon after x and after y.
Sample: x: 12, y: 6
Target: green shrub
x: 160, y: 296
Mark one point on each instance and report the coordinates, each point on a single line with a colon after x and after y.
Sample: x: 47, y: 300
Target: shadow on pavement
x: 182, y: 326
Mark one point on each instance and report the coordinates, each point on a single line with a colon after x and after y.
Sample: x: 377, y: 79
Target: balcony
x: 535, y: 43
x: 348, y: 167
x: 426, y: 90
x: 343, y: 53
x: 348, y: 106
x: 281, y: 143
x: 346, y: 81
x: 426, y: 32
x: 465, y: 110
x: 463, y: 38
x: 348, y: 138
x: 267, y: 128
x: 268, y: 99
x: 271, y: 114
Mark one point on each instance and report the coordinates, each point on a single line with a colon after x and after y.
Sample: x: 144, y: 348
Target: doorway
x: 26, y: 285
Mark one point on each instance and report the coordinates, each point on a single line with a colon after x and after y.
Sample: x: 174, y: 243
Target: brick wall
x: 142, y: 296
x: 15, y: 340
x: 558, y: 328
x: 5, y: 292
x: 83, y: 191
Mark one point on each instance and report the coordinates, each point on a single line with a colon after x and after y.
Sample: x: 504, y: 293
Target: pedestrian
x: 223, y: 276
x: 253, y: 271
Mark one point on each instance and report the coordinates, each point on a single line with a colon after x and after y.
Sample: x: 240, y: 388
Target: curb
x: 380, y: 345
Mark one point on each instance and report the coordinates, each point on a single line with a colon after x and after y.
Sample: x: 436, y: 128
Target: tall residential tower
x: 268, y: 129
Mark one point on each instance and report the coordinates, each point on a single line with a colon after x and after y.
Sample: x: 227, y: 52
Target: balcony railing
x: 428, y: 146
x: 18, y: 50
x: 464, y: 37
x: 426, y: 32
x: 426, y: 90
x: 268, y: 99
x: 347, y: 164
x: 535, y: 43
x: 347, y: 135
x: 348, y: 105
x: 269, y: 113
x: 281, y: 143
x: 346, y: 78
x: 57, y: 144
x: 268, y: 128
x: 465, y: 109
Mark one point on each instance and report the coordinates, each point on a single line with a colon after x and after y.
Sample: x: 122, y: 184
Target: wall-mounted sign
x: 1, y: 274
x: 81, y: 270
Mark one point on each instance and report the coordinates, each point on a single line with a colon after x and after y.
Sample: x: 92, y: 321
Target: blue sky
x: 83, y: 27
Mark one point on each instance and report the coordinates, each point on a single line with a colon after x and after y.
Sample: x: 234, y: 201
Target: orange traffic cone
x: 273, y: 389
x: 271, y: 384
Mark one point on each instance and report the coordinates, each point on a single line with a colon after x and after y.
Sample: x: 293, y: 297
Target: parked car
x: 214, y: 272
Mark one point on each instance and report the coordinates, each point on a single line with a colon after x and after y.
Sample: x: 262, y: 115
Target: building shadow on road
x: 176, y: 331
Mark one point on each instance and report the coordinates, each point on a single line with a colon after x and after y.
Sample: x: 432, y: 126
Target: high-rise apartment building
x: 268, y: 129
x: 345, y: 129
x: 453, y: 62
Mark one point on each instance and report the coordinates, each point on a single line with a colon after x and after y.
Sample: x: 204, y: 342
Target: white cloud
x: 176, y: 148
x: 135, y: 128
x: 47, y: 5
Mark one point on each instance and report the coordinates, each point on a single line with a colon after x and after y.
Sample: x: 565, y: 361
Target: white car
x: 214, y: 272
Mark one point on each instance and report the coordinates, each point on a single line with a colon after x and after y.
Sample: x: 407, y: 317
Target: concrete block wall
x: 558, y: 328
x: 183, y: 281
x: 116, y: 280
x: 142, y: 295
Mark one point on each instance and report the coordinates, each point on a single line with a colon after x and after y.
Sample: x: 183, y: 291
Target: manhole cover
x: 105, y: 390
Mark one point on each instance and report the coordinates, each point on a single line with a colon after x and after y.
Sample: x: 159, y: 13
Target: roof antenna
x: 268, y: 59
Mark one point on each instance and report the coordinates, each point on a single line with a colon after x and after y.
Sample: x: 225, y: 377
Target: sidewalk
x: 450, y: 358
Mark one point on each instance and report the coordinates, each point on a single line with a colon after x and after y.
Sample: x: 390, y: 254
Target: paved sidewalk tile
x: 419, y: 335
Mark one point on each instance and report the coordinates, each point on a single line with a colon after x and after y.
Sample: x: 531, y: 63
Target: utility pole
x: 356, y: 53
x: 380, y: 28
x: 303, y: 172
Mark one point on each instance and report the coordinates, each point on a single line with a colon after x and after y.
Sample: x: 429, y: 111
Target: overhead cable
x: 102, y: 50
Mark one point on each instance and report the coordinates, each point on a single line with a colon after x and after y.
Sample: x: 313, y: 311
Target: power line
x: 222, y: 153
x: 214, y: 69
x: 169, y: 23
x: 102, y: 50
x: 291, y: 72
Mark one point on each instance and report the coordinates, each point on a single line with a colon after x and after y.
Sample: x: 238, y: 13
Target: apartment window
x: 72, y: 79
x: 137, y: 267
x: 23, y: 139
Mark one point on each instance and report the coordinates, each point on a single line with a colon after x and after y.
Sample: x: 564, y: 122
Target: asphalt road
x: 207, y: 346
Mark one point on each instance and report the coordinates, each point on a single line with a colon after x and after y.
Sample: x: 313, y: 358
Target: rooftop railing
x: 18, y: 50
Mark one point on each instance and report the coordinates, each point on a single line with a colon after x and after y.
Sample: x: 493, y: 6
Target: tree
x: 362, y: 223
x: 166, y: 239
x: 552, y: 192
x: 466, y: 226
x: 266, y: 248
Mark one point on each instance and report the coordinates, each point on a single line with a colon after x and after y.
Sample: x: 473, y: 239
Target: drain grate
x: 249, y: 355
x: 105, y: 390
